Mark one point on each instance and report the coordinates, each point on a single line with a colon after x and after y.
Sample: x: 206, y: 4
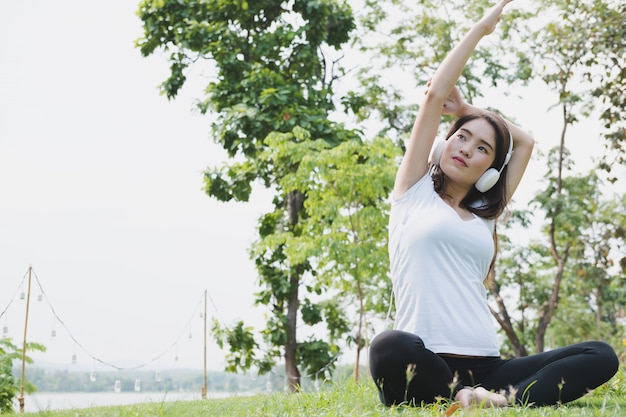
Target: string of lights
x: 17, y: 290
x: 44, y: 297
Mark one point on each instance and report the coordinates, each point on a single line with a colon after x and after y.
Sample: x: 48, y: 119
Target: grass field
x: 348, y: 399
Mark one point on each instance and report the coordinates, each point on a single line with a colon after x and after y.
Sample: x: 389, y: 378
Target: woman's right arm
x: 415, y: 162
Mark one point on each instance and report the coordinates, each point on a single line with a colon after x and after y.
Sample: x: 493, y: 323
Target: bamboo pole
x: 204, y: 316
x: 21, y: 397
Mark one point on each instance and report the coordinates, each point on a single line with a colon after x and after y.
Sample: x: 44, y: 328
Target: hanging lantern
x: 118, y: 386
x: 73, y: 358
x: 22, y: 295
x: 53, y: 332
x: 92, y: 376
x: 40, y: 297
x: 157, y: 376
x: 137, y: 385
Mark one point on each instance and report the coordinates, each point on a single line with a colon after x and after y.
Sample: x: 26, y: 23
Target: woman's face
x: 469, y: 152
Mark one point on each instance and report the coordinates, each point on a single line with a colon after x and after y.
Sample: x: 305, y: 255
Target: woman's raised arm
x: 415, y: 162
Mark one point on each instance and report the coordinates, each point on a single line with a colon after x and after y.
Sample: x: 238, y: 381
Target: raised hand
x: 492, y: 17
x: 454, y: 104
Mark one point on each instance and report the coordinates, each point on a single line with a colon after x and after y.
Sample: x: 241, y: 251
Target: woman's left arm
x: 523, y: 144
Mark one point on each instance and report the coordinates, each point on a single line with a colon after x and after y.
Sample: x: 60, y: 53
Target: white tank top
x: 438, y: 264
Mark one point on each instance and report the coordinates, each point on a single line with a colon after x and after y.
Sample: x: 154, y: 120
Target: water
x: 69, y: 400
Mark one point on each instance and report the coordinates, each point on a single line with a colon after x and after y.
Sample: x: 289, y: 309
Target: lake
x: 67, y: 400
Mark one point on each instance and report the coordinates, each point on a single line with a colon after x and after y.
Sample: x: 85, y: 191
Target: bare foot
x: 479, y: 396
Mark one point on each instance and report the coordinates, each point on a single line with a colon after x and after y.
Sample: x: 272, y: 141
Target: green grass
x: 348, y: 399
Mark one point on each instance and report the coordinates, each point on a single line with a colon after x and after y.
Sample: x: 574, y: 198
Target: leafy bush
x: 9, y: 386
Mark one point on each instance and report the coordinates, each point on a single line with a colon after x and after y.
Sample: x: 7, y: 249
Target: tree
x: 345, y: 235
x: 570, y: 212
x: 609, y: 44
x: 516, y: 274
x: 565, y: 52
x: 9, y: 386
x: 275, y: 66
x: 590, y: 298
x: 593, y: 290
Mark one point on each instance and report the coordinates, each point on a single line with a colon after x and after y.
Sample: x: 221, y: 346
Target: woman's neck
x: 454, y: 195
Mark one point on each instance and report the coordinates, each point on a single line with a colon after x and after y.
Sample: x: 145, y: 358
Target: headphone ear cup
x: 437, y: 151
x: 487, y: 180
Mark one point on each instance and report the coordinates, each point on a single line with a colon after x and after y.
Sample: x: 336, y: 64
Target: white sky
x: 101, y: 193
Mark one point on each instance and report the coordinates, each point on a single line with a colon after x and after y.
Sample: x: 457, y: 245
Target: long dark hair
x: 491, y: 203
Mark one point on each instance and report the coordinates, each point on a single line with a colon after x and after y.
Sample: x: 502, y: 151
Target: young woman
x: 441, y: 246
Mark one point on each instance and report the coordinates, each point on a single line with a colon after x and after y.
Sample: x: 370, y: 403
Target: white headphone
x: 489, y: 177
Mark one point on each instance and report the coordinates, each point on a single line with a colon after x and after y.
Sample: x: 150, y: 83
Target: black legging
x: 406, y: 372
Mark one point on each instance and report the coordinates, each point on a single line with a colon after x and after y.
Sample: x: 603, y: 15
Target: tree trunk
x: 598, y: 312
x: 295, y: 201
x: 359, y: 334
x: 358, y: 358
x: 561, y: 259
x: 291, y: 363
x: 503, y: 318
x: 548, y: 310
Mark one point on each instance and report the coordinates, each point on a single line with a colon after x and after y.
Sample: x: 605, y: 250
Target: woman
x: 441, y: 247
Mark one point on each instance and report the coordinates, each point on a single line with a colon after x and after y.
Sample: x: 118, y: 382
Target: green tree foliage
x: 321, y: 252
x: 609, y: 44
x: 9, y: 385
x: 580, y: 54
x: 581, y: 284
x: 570, y: 54
x: 575, y: 56
x: 590, y: 229
x: 347, y: 188
x: 274, y: 71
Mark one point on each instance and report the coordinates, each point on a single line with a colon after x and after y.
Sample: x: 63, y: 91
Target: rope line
x: 56, y: 316
x: 14, y: 294
x: 82, y: 347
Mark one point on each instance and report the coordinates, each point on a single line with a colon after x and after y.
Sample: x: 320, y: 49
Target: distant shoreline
x: 47, y: 401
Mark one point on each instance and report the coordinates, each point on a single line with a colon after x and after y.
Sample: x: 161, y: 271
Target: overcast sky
x: 101, y: 193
